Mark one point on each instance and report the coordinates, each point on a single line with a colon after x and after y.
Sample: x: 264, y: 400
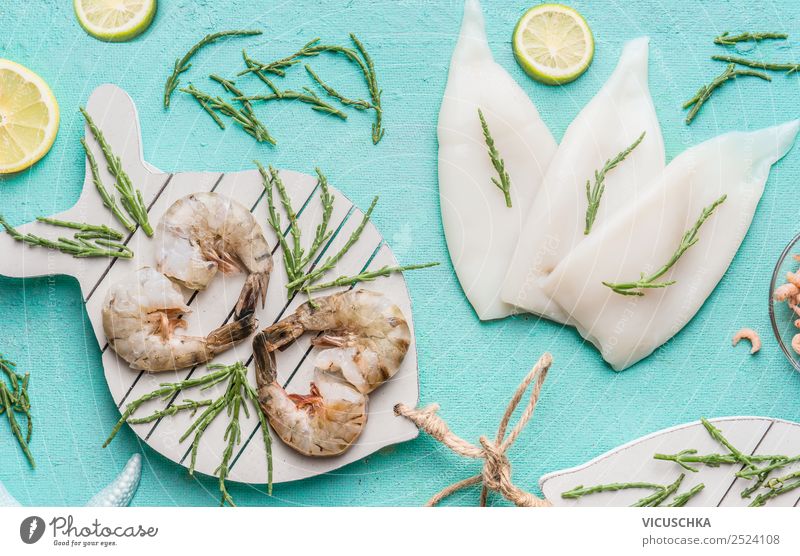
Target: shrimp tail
x: 227, y: 336
x: 254, y: 289
x: 266, y: 370
x: 283, y: 333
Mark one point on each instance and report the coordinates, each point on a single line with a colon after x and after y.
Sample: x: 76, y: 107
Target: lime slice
x: 115, y: 20
x: 28, y: 117
x: 553, y: 44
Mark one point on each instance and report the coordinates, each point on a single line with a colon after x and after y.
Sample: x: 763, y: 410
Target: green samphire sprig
x: 130, y: 197
x: 304, y: 280
x: 660, y: 492
x: 182, y: 64
x: 302, y: 268
x: 358, y: 103
x: 776, y: 487
x: 358, y: 56
x: 233, y: 401
x: 244, y: 117
x: 594, y: 194
x: 727, y: 39
x: 15, y: 403
x: 89, y: 242
x: 367, y: 276
x: 680, y: 500
x: 769, y: 66
x: 307, y: 96
x: 704, y: 93
x: 689, y: 459
x: 503, y: 180
x: 230, y: 86
x: 108, y: 200
x: 752, y: 466
x: 690, y: 237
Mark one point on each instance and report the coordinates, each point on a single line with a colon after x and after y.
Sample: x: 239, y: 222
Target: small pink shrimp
x: 785, y: 292
x: 755, y: 340
x: 796, y: 344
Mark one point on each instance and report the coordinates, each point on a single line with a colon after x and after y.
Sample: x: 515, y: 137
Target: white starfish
x: 117, y: 494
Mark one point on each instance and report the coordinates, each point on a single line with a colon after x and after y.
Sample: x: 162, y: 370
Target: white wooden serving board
x: 634, y: 462
x: 115, y: 114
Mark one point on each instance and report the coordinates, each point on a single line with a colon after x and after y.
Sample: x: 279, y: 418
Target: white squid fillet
x: 645, y: 234
x: 481, y: 230
x: 610, y: 123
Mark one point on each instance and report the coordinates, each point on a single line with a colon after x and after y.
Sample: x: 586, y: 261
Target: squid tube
x: 613, y: 120
x: 481, y: 230
x: 645, y: 235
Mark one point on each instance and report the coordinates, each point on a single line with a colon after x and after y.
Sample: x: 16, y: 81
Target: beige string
x: 496, y: 474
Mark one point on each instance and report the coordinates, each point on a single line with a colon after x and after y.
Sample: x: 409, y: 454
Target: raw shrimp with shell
x: 206, y: 232
x: 366, y: 336
x: 140, y: 318
x: 324, y: 422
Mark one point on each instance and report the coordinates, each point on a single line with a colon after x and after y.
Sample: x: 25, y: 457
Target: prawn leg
x: 329, y: 340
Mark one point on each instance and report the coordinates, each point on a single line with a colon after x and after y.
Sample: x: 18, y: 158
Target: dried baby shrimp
x: 786, y: 292
x: 324, y: 422
x: 790, y: 293
x: 748, y: 334
x: 205, y: 232
x: 140, y: 319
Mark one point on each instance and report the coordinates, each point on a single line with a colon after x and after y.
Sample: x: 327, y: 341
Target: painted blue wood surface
x: 470, y: 368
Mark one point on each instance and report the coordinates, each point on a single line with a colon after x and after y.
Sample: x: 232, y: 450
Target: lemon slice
x: 115, y: 20
x: 553, y: 44
x: 28, y: 117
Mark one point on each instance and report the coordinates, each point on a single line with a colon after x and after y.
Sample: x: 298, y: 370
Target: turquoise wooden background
x: 470, y: 368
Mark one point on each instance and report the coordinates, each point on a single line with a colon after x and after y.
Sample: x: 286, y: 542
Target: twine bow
x: 496, y: 473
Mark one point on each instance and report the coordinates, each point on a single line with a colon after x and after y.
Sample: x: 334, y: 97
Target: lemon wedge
x: 115, y: 20
x: 553, y: 44
x: 28, y: 117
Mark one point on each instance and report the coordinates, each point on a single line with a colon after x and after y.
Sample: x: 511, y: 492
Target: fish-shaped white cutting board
x: 633, y: 462
x: 115, y: 114
x: 481, y: 230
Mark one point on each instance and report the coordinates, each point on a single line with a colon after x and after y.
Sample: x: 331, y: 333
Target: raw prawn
x: 205, y: 232
x: 367, y: 336
x: 324, y: 422
x: 140, y: 317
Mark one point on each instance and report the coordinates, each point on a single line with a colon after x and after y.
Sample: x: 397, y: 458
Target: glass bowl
x: 780, y: 315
